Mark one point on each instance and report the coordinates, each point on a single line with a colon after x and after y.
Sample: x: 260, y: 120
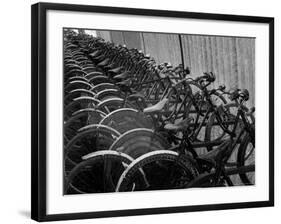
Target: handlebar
x: 243, y: 95
x: 206, y: 79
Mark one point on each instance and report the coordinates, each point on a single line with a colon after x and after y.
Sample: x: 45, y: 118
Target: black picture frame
x: 39, y: 122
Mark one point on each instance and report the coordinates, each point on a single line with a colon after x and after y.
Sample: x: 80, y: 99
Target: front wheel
x: 246, y: 157
x: 98, y: 173
x: 161, y: 170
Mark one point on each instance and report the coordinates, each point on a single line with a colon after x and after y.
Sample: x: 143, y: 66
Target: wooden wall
x: 163, y: 47
x: 232, y: 59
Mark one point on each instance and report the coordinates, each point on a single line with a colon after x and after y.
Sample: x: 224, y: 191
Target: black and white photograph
x: 140, y: 112
x: 145, y: 111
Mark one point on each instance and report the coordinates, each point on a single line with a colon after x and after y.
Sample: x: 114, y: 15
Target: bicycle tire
x: 210, y: 125
x: 93, y: 160
x: 89, y: 139
x: 103, y: 86
x: 246, y: 178
x: 129, y: 177
x: 88, y: 116
x: 113, y: 104
x: 126, y: 119
x: 95, y: 80
x: 139, y: 141
x: 79, y: 103
x: 77, y: 85
x: 108, y: 93
x: 77, y: 93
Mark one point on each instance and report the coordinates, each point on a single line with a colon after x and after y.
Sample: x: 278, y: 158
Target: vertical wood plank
x: 240, y: 65
x: 253, y: 66
x: 186, y: 50
x: 232, y: 59
x: 104, y: 34
x: 132, y: 39
x: 117, y: 37
x: 163, y: 47
x: 233, y: 75
x: 214, y: 56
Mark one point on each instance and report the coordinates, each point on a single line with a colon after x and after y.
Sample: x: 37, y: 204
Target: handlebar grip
x: 233, y: 95
x: 205, y: 76
x: 238, y: 93
x: 212, y: 77
x: 244, y: 94
x: 222, y: 87
x: 187, y: 70
x: 209, y: 77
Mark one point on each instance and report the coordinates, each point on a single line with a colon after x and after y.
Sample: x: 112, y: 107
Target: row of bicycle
x: 133, y: 125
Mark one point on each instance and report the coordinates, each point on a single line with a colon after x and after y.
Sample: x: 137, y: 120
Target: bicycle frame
x: 220, y: 173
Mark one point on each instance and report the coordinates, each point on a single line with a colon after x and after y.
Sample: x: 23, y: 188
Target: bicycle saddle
x: 104, y: 62
x: 116, y: 70
x: 157, y: 107
x: 136, y: 96
x: 212, y: 155
x: 182, y: 125
x: 123, y: 75
x: 252, y: 110
x: 99, y: 57
x: 110, y: 66
x: 124, y: 85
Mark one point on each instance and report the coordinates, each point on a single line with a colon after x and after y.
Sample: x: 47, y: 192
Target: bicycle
x: 210, y: 166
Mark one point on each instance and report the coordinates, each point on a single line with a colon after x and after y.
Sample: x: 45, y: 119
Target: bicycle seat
x: 104, y: 62
x: 125, y: 85
x: 182, y: 125
x: 157, y: 107
x: 212, y: 155
x: 123, y: 75
x: 110, y: 66
x: 99, y: 57
x: 116, y: 70
x: 136, y: 96
x: 95, y: 53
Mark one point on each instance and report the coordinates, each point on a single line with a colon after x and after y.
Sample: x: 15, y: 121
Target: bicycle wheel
x: 113, y: 104
x: 79, y: 103
x: 77, y: 93
x: 103, y: 86
x: 89, y: 139
x: 74, y: 72
x: 80, y: 119
x: 77, y: 85
x: 126, y: 119
x: 89, y: 69
x: 214, y: 131
x: 95, y: 80
x: 138, y: 142
x: 99, y: 173
x: 246, y: 157
x: 207, y: 180
x: 107, y: 94
x: 76, y: 78
x: 163, y: 170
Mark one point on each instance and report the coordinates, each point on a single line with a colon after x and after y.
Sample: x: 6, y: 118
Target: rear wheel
x: 246, y: 157
x: 208, y: 180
